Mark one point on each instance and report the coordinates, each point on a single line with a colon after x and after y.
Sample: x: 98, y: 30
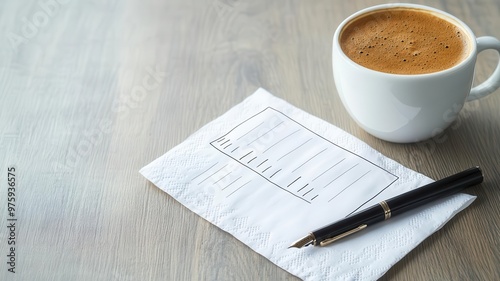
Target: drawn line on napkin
x: 251, y: 160
x: 270, y: 130
x: 250, y: 130
x: 234, y: 149
x: 204, y: 171
x: 328, y: 169
x: 348, y: 186
x: 309, y: 159
x: 341, y: 175
x: 246, y: 155
x: 280, y: 141
x: 238, y: 188
x: 377, y: 194
x: 222, y: 177
x: 225, y: 142
x: 303, y: 187
x: 262, y: 163
x: 232, y: 182
x: 293, y: 181
x: 266, y: 169
x: 294, y: 149
x: 275, y: 173
x: 212, y: 174
x: 308, y: 192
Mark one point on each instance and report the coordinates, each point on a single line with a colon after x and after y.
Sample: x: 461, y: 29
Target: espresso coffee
x: 404, y: 41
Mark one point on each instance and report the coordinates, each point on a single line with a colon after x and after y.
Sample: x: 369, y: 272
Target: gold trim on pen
x: 387, y: 210
x: 340, y: 236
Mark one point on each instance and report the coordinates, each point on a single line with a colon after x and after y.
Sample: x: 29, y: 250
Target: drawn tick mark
x: 293, y: 181
x: 266, y: 169
x: 275, y: 173
x: 246, y: 155
x: 262, y: 163
x: 302, y: 187
x: 308, y: 191
x: 251, y: 160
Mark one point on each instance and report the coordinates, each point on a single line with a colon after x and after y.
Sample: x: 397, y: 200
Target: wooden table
x: 91, y: 91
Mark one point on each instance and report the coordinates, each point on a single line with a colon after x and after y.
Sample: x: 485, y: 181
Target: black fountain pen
x: 391, y: 207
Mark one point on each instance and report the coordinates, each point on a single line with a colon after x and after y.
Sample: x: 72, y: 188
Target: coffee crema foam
x: 404, y: 41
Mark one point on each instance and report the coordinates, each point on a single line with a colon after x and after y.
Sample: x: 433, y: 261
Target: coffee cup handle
x: 493, y: 82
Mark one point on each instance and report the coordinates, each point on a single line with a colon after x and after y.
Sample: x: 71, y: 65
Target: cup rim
x: 446, y: 15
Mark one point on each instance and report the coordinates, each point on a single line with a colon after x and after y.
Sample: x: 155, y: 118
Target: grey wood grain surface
x: 91, y: 91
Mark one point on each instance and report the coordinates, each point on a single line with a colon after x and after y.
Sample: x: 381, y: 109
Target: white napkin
x: 269, y: 173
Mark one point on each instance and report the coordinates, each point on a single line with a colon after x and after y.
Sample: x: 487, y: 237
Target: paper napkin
x: 268, y: 173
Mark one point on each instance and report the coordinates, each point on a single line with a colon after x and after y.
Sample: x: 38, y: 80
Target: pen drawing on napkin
x: 293, y: 159
x: 266, y: 171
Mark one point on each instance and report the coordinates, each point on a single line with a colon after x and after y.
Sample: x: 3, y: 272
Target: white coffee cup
x: 409, y: 108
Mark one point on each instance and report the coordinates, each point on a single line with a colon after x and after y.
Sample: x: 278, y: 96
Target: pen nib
x: 303, y: 242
